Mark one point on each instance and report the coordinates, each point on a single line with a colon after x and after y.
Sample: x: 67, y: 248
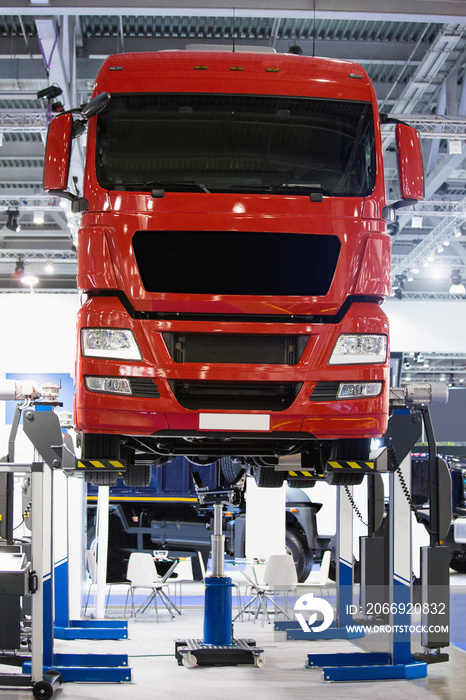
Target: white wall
x: 426, y: 326
x: 265, y: 521
x: 38, y: 332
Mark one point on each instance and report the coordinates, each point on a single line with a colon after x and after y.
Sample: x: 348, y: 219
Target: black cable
x: 353, y: 504
x: 404, y: 487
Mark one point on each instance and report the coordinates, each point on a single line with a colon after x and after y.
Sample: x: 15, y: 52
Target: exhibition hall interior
x: 233, y: 359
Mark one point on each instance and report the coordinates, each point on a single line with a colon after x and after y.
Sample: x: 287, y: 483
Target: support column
x: 102, y: 548
x: 400, y: 566
x: 344, y: 556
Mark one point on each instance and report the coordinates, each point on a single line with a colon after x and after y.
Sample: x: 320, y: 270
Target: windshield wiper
x: 315, y: 190
x: 312, y: 186
x: 159, y: 187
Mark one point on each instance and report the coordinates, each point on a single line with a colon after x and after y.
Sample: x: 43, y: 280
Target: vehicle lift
x: 42, y: 669
x: 218, y: 648
x: 409, y: 413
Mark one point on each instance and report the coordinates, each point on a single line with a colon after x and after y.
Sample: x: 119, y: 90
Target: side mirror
x: 408, y: 145
x: 58, y: 152
x: 96, y: 105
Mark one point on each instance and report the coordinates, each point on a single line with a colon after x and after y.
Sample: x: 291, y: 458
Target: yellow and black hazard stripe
x: 350, y: 466
x: 101, y: 465
x: 305, y: 475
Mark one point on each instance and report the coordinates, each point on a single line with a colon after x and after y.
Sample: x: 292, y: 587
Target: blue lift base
x: 294, y: 631
x: 94, y: 668
x: 364, y: 666
x: 93, y: 629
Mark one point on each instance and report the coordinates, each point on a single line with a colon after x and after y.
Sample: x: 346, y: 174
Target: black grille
x: 325, y: 391
x: 144, y: 388
x: 237, y: 348
x: 239, y: 396
x: 236, y: 262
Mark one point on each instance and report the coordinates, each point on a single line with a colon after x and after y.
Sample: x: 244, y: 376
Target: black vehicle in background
x: 456, y: 538
x: 167, y: 515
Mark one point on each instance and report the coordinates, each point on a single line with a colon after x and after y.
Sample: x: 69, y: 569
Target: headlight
x: 359, y: 349
x: 111, y: 343
x: 359, y: 390
x: 109, y: 385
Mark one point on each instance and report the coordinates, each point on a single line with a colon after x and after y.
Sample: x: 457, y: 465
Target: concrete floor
x: 155, y: 672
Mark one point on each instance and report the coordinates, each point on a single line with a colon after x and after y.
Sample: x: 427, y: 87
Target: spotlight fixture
x: 12, y: 221
x: 295, y: 49
x: 51, y: 94
x: 399, y: 286
x: 457, y: 285
x: 19, y: 269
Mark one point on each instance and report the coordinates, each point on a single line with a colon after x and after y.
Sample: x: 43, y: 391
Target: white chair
x: 184, y: 574
x: 92, y: 570
x: 280, y: 577
x: 318, y: 579
x: 142, y: 573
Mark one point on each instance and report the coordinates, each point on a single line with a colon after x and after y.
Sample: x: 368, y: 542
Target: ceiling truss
x: 414, y: 53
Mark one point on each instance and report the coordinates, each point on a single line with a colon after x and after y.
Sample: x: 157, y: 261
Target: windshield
x: 236, y: 143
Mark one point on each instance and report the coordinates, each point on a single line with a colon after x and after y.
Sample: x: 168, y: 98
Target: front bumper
x: 159, y: 411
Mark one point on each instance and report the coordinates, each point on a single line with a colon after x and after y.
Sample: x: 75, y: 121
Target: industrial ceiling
x: 414, y: 51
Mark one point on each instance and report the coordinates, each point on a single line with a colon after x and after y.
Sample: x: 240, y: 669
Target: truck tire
x: 301, y: 483
x: 101, y: 478
x: 458, y: 563
x: 137, y: 476
x: 337, y: 479
x: 268, y: 478
x: 357, y: 449
x: 97, y: 446
x: 302, y: 557
x: 231, y: 471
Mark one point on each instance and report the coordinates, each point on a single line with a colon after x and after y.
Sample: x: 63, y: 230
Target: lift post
x: 409, y: 405
x: 218, y: 647
x: 44, y: 668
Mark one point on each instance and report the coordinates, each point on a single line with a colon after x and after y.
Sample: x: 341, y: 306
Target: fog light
x: 109, y: 385
x: 359, y: 390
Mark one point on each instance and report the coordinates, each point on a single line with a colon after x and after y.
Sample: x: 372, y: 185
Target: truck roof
x: 238, y: 72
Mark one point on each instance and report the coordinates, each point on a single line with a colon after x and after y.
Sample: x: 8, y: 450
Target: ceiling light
x: 49, y: 269
x: 458, y: 233
x: 415, y: 270
x: 440, y: 249
x: 416, y: 222
x: 454, y: 147
x: 446, y: 243
x: 39, y: 217
x: 30, y: 280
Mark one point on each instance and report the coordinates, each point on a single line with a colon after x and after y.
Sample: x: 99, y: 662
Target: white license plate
x: 234, y: 421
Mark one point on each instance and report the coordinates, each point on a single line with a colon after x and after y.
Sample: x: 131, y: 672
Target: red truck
x: 233, y: 257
